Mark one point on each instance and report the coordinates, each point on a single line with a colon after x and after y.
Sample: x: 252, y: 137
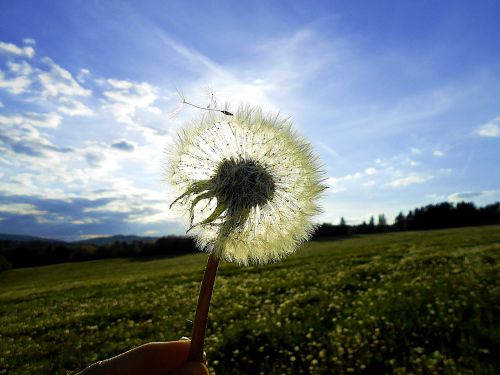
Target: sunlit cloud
x: 72, y: 107
x: 58, y: 81
x: 13, y: 49
x: 468, y: 195
x: 125, y: 99
x: 20, y: 209
x: 409, y: 180
x: 14, y: 85
x: 490, y: 129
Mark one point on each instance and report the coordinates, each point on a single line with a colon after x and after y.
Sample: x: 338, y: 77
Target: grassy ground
x: 399, y: 303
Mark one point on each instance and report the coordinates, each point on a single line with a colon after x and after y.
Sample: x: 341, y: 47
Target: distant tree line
x: 14, y: 254
x: 433, y: 216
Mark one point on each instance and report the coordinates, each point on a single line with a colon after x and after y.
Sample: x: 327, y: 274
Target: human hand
x: 156, y: 358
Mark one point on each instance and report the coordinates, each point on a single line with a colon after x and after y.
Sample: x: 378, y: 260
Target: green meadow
x: 397, y: 303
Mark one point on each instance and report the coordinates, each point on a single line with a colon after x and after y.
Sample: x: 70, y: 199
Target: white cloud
x: 339, y: 184
x: 85, y: 220
x: 72, y: 107
x: 82, y: 75
x: 21, y: 209
x: 371, y: 171
x: 470, y: 195
x: 349, y: 177
x: 12, y: 49
x: 21, y: 68
x: 124, y: 99
x: 56, y: 86
x: 490, y: 193
x: 29, y: 41
x: 92, y: 236
x: 438, y: 153
x: 24, y: 141
x: 16, y: 85
x: 410, y: 180
x: 416, y: 151
x: 490, y: 129
x: 27, y: 148
x: 466, y: 195
x: 44, y: 120
x: 59, y: 82
x: 18, y: 79
x: 412, y: 162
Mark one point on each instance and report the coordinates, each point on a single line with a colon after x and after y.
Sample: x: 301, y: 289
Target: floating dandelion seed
x: 250, y: 186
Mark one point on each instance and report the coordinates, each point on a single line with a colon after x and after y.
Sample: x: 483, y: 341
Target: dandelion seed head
x: 248, y: 183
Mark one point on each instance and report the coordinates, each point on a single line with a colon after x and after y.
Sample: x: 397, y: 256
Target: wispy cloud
x: 125, y: 99
x: 469, y: 195
x: 261, y: 77
x: 49, y: 83
x: 195, y: 59
x: 72, y: 107
x: 20, y: 209
x: 328, y: 149
x: 410, y: 180
x: 58, y: 82
x: 18, y: 80
x: 490, y: 129
x: 21, y: 134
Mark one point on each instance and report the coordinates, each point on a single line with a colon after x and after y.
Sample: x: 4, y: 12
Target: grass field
x: 398, y: 303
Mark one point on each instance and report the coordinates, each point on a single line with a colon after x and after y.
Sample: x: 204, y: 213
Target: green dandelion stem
x: 201, y: 316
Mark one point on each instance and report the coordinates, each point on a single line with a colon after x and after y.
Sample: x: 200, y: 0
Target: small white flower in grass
x: 249, y: 184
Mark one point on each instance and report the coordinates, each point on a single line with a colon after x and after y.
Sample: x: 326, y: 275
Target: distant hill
x: 111, y: 239
x: 23, y: 238
x: 19, y: 251
x: 98, y: 241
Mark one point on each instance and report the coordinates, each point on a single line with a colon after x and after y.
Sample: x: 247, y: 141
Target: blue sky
x: 400, y: 100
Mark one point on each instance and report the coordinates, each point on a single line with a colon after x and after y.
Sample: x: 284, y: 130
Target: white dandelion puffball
x: 249, y: 184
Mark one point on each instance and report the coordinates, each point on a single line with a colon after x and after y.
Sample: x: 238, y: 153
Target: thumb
x: 192, y: 368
